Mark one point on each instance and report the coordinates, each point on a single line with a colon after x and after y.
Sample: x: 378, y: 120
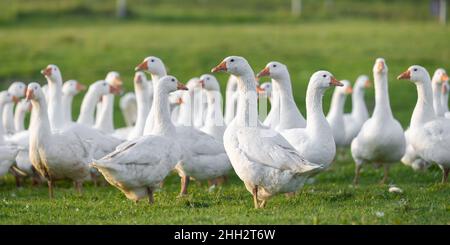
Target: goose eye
x: 173, y: 80
x: 152, y: 60
x: 232, y: 60
x: 415, y: 69
x: 207, y: 78
x: 274, y: 65
x: 324, y: 76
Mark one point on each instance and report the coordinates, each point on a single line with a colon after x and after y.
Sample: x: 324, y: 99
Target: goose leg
x: 184, y: 185
x: 50, y: 188
x: 255, y: 196
x: 94, y: 179
x: 357, y: 173
x: 445, y: 172
x: 386, y: 174
x: 263, y: 204
x: 78, y: 187
x: 150, y: 195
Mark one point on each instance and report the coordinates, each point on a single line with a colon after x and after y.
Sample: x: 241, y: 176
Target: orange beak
x: 260, y: 90
x: 114, y: 90
x: 404, y: 75
x: 380, y: 65
x: 368, y: 84
x: 221, y: 67
x: 179, y: 101
x: 181, y: 86
x: 264, y: 73
x: 15, y: 99
x: 80, y: 87
x: 335, y: 82
x: 444, y: 77
x: 349, y: 90
x: 142, y: 66
x: 47, y: 71
x: 444, y: 88
x: 202, y: 83
x: 29, y: 94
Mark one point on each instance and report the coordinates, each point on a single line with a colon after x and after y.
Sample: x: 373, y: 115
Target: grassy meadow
x: 86, y: 47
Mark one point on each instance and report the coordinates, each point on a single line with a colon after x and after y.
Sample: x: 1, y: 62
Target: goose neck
x: 19, y: 118
x: 55, y: 102
x: 424, y: 111
x: 67, y: 107
x: 337, y: 104
x: 105, y: 122
x: 247, y: 113
x: 438, y: 109
x: 143, y: 107
x: 162, y: 122
x: 382, y: 104
x: 214, y: 111
x: 39, y: 123
x: 87, y: 110
x: 316, y: 121
x: 359, y: 108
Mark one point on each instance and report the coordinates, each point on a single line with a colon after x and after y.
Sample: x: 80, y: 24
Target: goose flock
x: 171, y: 126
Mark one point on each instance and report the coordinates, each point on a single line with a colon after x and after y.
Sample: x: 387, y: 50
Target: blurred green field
x: 193, y: 39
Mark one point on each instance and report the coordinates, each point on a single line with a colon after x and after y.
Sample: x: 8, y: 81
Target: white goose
x: 128, y: 106
x: 9, y: 150
x: 231, y: 96
x: 429, y: 135
x: 208, y: 158
x: 137, y: 167
x: 22, y: 108
x: 353, y: 121
x: 381, y: 139
x: 198, y: 102
x: 315, y: 142
x: 55, y: 155
x: 214, y: 123
x: 70, y: 89
x: 444, y: 97
x: 141, y: 90
x: 439, y: 77
x: 104, y: 116
x: 335, y: 115
x: 262, y: 158
x: 16, y: 89
x: 289, y: 115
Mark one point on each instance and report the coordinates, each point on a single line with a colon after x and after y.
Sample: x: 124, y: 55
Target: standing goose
x: 208, y: 159
x: 353, y: 121
x: 214, y: 122
x: 289, y: 115
x: 16, y: 89
x: 104, y: 120
x: 315, y: 142
x: 59, y: 154
x: 9, y: 150
x: 444, y: 97
x: 138, y: 166
x: 261, y: 157
x: 381, y: 139
x: 141, y: 90
x: 429, y: 135
x: 70, y: 89
x: 54, y: 97
x: 128, y: 107
x: 439, y: 77
x: 22, y: 108
x: 335, y: 116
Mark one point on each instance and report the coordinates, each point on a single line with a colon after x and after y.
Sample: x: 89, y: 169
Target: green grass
x: 88, y: 47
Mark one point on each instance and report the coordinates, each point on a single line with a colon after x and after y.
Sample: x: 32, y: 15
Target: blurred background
x: 88, y: 38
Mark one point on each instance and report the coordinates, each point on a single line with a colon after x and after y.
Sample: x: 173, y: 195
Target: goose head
x: 193, y: 84
x: 140, y: 81
x: 23, y: 106
x: 18, y: 89
x: 72, y: 87
x: 265, y: 89
x: 114, y: 79
x: 7, y: 98
x: 34, y: 92
x: 362, y: 82
x: 274, y: 70
x: 380, y: 67
x: 416, y: 74
x: 323, y: 80
x: 102, y: 87
x: 168, y: 84
x: 152, y: 65
x: 440, y: 76
x: 209, y: 82
x: 345, y: 89
x: 52, y: 73
x: 234, y: 65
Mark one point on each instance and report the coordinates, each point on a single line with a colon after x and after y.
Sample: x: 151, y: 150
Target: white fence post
x: 296, y: 7
x: 121, y: 8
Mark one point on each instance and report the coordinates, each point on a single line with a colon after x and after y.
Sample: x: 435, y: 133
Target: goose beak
x: 444, y: 77
x: 349, y: 90
x: 368, y: 84
x: 264, y: 73
x: 260, y: 90
x: 142, y: 66
x: 15, y: 99
x: 335, y: 82
x: 179, y: 101
x: 47, y: 71
x: 114, y: 90
x: 29, y: 94
x: 181, y: 86
x: 405, y: 75
x: 221, y: 67
x: 80, y: 87
x: 380, y: 66
x: 202, y: 83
